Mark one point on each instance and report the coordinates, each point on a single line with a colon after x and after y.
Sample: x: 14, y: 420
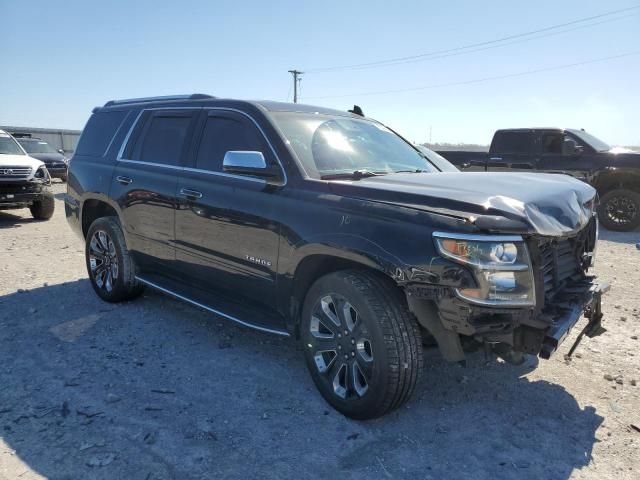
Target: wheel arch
x: 615, y: 179
x: 94, y: 208
x: 318, y: 262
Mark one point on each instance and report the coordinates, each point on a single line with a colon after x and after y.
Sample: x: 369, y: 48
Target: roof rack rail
x: 193, y: 96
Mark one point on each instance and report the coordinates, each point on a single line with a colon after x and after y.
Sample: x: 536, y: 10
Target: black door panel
x: 227, y: 237
x: 148, y: 207
x: 145, y: 182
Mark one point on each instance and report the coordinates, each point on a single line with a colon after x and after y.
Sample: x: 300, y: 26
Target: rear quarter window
x: 98, y: 133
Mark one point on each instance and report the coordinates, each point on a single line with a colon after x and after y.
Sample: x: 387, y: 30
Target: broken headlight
x: 501, y: 266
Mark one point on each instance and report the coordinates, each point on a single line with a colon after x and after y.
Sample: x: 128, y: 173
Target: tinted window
x: 162, y: 139
x: 223, y: 134
x: 512, y: 142
x: 552, y: 143
x: 98, y: 132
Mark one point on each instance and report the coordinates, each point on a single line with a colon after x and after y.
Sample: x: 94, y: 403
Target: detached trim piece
x: 210, y: 309
x: 475, y: 237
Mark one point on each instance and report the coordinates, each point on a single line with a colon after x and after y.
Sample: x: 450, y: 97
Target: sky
x: 62, y: 58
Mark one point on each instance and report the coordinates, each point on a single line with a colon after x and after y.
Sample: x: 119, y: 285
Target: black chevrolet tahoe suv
x: 613, y: 171
x: 321, y: 224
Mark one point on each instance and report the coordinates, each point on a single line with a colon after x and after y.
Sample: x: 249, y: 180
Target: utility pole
x: 296, y: 80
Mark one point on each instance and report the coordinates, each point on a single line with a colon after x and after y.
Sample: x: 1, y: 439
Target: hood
x: 19, y: 161
x: 48, y: 157
x: 547, y: 204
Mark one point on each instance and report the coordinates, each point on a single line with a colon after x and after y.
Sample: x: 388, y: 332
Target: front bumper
x: 588, y: 304
x: 24, y: 193
x: 527, y: 330
x: 57, y: 171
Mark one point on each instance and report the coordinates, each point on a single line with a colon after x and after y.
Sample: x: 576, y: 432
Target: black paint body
x: 255, y: 246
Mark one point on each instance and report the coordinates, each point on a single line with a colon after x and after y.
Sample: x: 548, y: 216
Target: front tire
x: 43, y: 208
x: 109, y: 264
x: 620, y: 210
x: 361, y: 344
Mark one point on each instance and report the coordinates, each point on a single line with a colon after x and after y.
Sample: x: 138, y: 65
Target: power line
x: 440, y: 53
x: 480, y: 80
x: 489, y: 47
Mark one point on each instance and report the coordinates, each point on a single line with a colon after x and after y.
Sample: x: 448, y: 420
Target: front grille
x: 13, y: 173
x: 561, y: 261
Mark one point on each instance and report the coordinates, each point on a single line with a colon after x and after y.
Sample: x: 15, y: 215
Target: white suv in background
x: 24, y: 181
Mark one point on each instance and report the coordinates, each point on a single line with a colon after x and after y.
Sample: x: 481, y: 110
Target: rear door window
x: 512, y: 142
x: 99, y: 131
x: 224, y: 132
x: 161, y: 137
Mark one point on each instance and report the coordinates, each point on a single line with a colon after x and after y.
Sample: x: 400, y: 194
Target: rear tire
x: 110, y: 266
x: 619, y: 210
x: 362, y: 345
x: 43, y: 209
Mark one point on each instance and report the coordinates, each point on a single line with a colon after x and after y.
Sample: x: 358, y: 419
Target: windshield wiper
x: 355, y: 175
x: 417, y: 170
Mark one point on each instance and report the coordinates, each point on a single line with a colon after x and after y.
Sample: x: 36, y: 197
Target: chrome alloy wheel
x: 341, y: 350
x: 103, y: 261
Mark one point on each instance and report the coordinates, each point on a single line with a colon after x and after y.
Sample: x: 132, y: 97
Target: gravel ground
x: 156, y: 389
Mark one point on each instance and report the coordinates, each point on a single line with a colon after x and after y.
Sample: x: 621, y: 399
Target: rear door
x: 145, y: 180
x: 226, y: 233
x: 512, y: 150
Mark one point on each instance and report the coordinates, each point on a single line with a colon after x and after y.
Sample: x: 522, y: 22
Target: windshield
x: 597, y: 144
x: 438, y: 160
x: 36, y: 146
x: 328, y: 145
x: 8, y: 146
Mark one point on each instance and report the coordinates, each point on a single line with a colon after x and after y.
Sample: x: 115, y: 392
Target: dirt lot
x: 156, y: 389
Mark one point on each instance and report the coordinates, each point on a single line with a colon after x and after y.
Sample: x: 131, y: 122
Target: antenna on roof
x: 356, y: 111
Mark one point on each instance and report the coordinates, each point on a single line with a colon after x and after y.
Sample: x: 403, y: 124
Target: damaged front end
x: 19, y: 191
x: 526, y: 294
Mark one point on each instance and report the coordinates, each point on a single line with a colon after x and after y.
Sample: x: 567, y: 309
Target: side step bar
x: 210, y: 309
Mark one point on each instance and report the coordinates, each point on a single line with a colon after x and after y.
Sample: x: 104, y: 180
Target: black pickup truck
x: 323, y: 225
x: 613, y: 172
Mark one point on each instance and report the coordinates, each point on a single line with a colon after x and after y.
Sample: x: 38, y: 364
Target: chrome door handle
x: 190, y: 194
x: 124, y: 180
x: 495, y: 158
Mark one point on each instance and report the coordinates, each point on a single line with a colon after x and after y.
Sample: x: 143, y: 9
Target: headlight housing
x: 501, y: 266
x: 42, y: 174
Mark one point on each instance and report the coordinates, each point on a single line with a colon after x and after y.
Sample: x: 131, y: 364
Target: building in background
x: 58, y: 138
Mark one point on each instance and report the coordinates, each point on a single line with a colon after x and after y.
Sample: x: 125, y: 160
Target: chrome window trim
x: 210, y: 309
x: 475, y: 237
x: 126, y: 139
x: 224, y: 174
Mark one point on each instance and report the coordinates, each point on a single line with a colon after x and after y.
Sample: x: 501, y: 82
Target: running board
x: 210, y: 309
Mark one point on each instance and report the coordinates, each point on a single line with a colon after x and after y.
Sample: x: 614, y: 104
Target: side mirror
x: 569, y: 146
x: 61, y: 151
x: 249, y: 163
